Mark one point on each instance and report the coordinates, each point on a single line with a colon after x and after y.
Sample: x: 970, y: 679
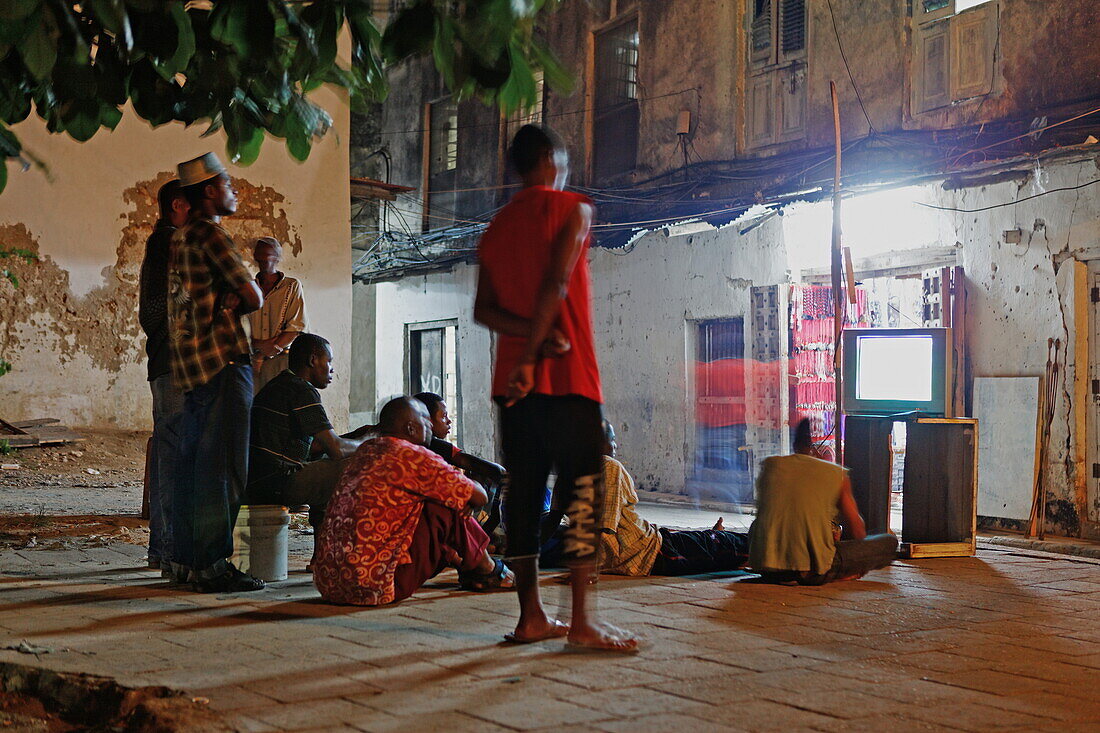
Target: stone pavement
x: 1006, y: 640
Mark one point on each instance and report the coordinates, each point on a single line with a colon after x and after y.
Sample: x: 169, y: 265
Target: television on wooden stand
x: 895, y: 371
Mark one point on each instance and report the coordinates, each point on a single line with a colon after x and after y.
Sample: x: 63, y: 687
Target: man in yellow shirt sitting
x: 793, y: 538
x: 629, y: 545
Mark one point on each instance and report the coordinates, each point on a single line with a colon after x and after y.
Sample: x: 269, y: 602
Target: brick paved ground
x: 1009, y: 639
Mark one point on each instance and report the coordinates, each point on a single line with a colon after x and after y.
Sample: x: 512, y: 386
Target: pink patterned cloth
x: 371, y: 518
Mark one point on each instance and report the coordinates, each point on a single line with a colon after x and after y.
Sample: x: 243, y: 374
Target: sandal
x: 499, y: 578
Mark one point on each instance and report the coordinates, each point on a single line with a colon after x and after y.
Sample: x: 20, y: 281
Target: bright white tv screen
x: 894, y: 368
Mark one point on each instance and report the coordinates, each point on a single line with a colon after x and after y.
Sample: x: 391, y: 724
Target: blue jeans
x: 167, y: 401
x: 211, y: 471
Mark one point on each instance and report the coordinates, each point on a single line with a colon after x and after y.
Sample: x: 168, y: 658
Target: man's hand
x: 556, y: 345
x: 267, y: 348
x: 520, y: 382
x: 231, y: 302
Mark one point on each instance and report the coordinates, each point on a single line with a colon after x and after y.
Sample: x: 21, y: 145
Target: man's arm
x: 361, y: 433
x: 334, y: 446
x: 854, y: 528
x: 565, y: 251
x: 489, y: 313
x: 479, y: 467
x: 243, y: 294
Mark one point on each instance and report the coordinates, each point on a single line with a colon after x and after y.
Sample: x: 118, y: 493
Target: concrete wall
x: 71, y: 329
x: 643, y: 304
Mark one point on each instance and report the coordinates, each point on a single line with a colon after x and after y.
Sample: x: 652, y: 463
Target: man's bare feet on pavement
x: 602, y: 637
x: 548, y: 628
x: 718, y: 526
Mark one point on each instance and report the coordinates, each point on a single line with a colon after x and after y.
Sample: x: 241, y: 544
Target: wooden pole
x: 838, y: 295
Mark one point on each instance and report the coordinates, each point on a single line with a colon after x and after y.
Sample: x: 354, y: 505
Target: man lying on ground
x: 792, y: 538
x: 399, y: 516
x: 295, y: 456
x: 490, y: 475
x: 629, y: 545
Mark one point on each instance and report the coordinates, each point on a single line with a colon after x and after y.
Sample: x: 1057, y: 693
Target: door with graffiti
x: 433, y: 365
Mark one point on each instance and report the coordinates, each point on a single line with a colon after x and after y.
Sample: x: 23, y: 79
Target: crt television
x: 896, y: 370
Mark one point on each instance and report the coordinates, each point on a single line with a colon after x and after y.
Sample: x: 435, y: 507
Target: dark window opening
x: 615, y: 137
x: 442, y: 164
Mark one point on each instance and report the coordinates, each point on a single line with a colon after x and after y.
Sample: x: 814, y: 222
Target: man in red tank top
x: 533, y: 291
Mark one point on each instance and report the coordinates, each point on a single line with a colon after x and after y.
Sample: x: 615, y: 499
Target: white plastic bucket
x: 260, y: 541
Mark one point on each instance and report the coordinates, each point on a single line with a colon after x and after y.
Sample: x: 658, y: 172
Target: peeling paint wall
x: 1019, y: 295
x: 71, y: 329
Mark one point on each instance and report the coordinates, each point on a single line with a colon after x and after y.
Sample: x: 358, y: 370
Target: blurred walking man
x: 533, y: 290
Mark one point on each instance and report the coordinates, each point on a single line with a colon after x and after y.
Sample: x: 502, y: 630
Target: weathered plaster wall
x: 71, y: 329
x: 413, y: 84
x: 643, y: 304
x: 363, y: 397
x: 689, y: 59
x: 1020, y: 295
x: 875, y: 41
x: 1046, y: 55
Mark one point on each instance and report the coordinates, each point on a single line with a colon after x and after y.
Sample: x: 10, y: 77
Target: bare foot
x: 529, y: 633
x: 718, y: 526
x: 454, y: 559
x: 602, y: 637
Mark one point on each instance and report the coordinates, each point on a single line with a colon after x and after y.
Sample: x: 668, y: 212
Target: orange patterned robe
x: 370, y: 520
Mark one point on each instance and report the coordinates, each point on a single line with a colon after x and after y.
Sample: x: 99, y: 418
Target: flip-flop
x: 559, y: 630
x: 499, y: 578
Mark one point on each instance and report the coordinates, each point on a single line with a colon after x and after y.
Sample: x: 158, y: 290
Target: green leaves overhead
x: 248, y: 66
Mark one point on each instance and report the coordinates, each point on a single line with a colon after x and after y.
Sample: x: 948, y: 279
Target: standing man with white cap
x: 209, y: 290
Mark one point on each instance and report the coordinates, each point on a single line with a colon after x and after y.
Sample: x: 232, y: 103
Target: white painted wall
x: 642, y: 302
x: 436, y: 297
x: 82, y: 359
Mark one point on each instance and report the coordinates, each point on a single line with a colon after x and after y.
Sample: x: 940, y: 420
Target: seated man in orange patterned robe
x: 399, y: 516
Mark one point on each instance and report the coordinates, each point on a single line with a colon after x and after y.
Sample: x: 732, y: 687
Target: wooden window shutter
x: 934, y: 90
x: 761, y: 30
x: 972, y: 53
x: 762, y: 119
x: 792, y: 35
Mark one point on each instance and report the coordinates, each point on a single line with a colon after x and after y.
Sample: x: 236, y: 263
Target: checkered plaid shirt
x: 204, y: 268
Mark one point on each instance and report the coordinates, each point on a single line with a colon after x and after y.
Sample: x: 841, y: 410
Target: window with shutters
x: 954, y: 47
x: 777, y: 31
x: 776, y: 95
x: 933, y: 9
x: 442, y: 162
x: 532, y: 115
x: 615, y: 130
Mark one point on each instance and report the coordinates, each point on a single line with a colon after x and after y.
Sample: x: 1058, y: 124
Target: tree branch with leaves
x: 249, y: 66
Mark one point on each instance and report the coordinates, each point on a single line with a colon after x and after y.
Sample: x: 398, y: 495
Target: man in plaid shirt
x: 209, y: 290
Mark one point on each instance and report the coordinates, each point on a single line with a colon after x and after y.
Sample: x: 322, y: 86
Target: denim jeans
x: 540, y: 433
x: 167, y: 401
x: 211, y: 470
